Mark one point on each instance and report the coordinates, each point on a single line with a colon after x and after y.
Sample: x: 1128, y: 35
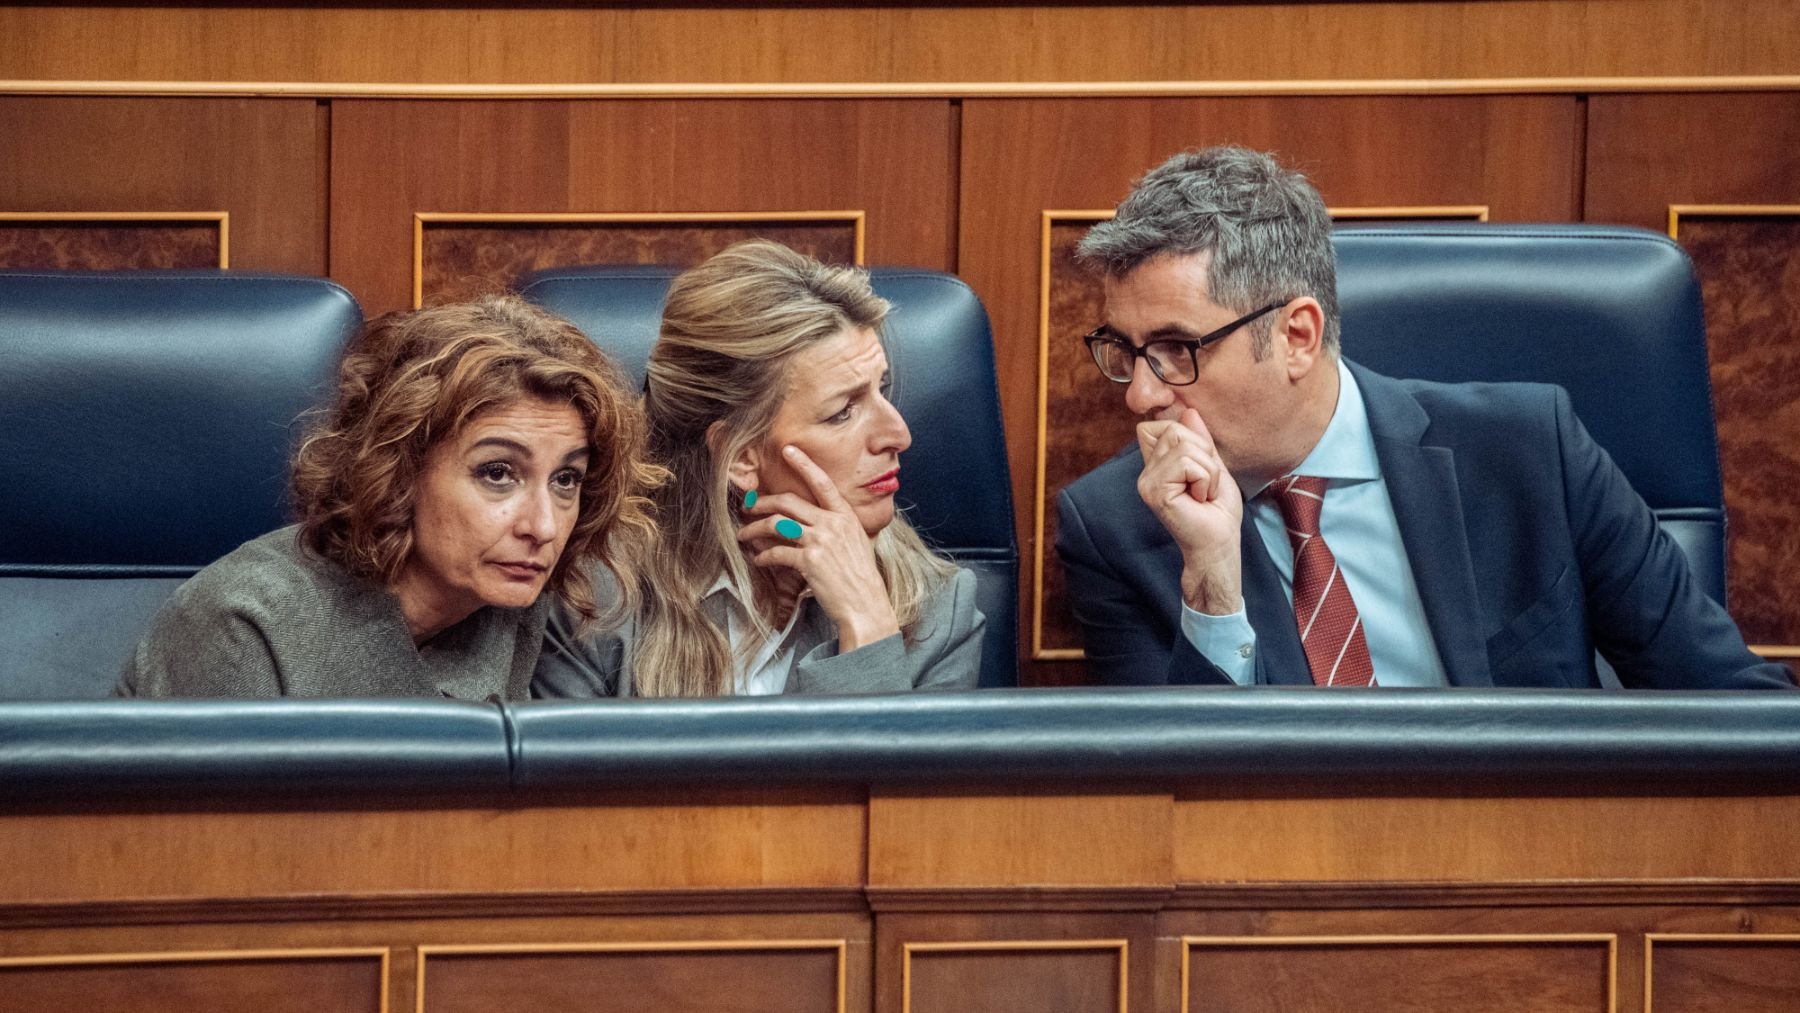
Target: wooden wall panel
x: 1017, y: 977
x: 685, y: 978
x: 1399, y: 975
x: 462, y: 259
x: 1722, y: 974
x: 67, y: 244
x: 1648, y: 152
x: 812, y: 41
x: 197, y: 983
x: 261, y: 161
x: 891, y: 160
x: 1517, y: 155
x: 918, y: 840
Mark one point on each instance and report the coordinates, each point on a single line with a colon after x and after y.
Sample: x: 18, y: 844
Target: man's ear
x: 1303, y: 328
x: 746, y: 468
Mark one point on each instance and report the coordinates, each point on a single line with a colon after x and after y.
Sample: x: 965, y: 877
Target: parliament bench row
x: 150, y: 415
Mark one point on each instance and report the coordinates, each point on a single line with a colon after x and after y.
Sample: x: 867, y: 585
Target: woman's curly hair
x: 412, y: 380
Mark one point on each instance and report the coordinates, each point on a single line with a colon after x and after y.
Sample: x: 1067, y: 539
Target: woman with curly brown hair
x: 476, y: 460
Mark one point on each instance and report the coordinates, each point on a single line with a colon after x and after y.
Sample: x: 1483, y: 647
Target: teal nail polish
x: 749, y: 499
x: 788, y: 528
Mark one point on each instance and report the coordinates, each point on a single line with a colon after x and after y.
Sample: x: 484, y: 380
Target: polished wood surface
x: 1024, y: 976
x: 1407, y: 974
x: 992, y: 896
x: 182, y: 983
x: 1723, y: 974
x: 1229, y: 838
x: 777, y: 977
x: 750, y: 839
x: 1517, y: 155
x: 931, y: 42
x: 262, y: 162
x: 937, y: 840
x: 392, y: 160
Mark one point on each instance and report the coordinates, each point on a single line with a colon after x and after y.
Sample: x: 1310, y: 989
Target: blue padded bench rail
x: 955, y: 485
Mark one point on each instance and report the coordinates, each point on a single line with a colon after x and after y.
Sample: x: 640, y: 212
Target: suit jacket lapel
x: 1421, y: 481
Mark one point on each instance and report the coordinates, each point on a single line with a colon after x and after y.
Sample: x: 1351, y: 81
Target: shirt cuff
x: 1229, y: 642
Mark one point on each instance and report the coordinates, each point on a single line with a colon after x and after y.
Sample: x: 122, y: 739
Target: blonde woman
x: 782, y: 564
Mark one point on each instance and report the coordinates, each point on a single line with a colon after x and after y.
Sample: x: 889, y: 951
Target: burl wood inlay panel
x: 1726, y: 976
x: 1015, y: 981
x: 107, y: 246
x: 1750, y: 279
x: 1085, y: 418
x: 691, y: 981
x: 463, y: 260
x: 306, y: 985
x: 1425, y: 976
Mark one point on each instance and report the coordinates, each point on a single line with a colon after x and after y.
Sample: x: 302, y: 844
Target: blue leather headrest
x: 153, y: 411
x: 955, y: 484
x: 1611, y: 314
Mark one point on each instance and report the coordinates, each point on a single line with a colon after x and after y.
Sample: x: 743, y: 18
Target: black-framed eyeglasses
x: 1173, y: 360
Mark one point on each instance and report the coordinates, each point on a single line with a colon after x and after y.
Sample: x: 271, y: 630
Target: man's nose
x: 1146, y: 394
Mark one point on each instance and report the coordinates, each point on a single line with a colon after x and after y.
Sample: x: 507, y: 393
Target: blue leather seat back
x: 1611, y: 314
x: 955, y: 485
x: 147, y: 417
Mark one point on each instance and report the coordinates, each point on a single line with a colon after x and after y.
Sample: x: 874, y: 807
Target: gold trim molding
x: 1188, y: 943
x: 220, y: 218
x: 915, y: 89
x: 1123, y: 946
x: 857, y: 220
x: 839, y: 947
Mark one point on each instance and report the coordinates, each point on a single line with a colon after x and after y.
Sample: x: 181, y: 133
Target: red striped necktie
x: 1330, y: 630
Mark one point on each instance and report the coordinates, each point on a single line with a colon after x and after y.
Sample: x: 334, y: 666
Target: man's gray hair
x: 1265, y: 226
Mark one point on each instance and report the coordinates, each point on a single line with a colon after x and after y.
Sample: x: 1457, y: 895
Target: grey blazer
x: 946, y: 654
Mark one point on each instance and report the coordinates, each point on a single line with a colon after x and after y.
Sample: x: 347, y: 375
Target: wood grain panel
x: 1026, y: 976
x: 50, y: 244
x: 809, y: 41
x: 261, y: 161
x: 391, y: 160
x: 1516, y: 155
x: 462, y: 259
x: 697, y: 977
x: 1749, y: 267
x: 975, y: 839
x: 1373, y: 839
x: 1646, y: 152
x: 1718, y: 974
x: 1399, y: 975
x: 755, y: 838
x: 180, y: 983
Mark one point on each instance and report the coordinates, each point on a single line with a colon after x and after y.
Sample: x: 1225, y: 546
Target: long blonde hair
x: 730, y: 329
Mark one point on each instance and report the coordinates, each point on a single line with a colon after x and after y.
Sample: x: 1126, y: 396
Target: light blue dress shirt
x: 1359, y: 526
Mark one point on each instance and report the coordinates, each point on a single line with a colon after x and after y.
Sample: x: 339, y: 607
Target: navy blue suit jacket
x: 1529, y: 547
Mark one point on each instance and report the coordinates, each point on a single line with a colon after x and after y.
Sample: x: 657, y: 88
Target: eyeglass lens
x: 1169, y: 360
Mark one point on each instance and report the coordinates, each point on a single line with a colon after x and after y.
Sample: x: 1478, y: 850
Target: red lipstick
x: 884, y: 485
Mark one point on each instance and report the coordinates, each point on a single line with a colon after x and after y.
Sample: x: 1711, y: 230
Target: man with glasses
x: 1289, y: 517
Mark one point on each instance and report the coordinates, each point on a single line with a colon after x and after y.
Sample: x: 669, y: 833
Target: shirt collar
x: 1347, y: 449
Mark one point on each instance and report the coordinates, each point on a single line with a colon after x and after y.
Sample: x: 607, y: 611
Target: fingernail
x: 787, y: 528
x: 790, y: 450
x: 749, y: 499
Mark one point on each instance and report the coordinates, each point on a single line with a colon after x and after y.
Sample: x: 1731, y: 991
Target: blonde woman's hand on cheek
x: 824, y: 542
